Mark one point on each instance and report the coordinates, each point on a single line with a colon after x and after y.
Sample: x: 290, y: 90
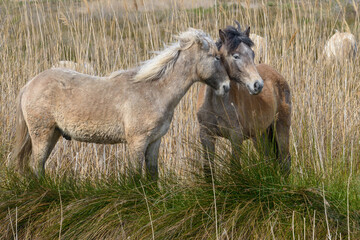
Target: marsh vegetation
x: 88, y: 193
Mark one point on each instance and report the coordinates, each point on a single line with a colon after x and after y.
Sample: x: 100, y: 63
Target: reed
x: 319, y: 200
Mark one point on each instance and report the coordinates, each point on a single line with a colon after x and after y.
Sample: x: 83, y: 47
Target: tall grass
x: 87, y: 194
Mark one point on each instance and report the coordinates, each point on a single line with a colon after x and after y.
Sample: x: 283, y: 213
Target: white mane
x: 161, y: 64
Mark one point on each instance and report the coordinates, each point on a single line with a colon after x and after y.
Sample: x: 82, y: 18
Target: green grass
x: 253, y: 201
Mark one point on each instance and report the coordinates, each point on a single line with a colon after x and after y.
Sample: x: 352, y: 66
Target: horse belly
x: 258, y: 122
x: 94, y: 133
x: 229, y: 124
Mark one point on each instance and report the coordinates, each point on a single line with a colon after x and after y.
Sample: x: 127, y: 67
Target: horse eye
x: 217, y: 58
x: 236, y: 56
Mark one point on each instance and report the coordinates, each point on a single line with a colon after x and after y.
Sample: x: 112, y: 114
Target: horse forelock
x: 234, y: 38
x: 165, y: 60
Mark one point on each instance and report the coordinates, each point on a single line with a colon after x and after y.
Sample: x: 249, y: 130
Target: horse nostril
x: 257, y: 86
x: 226, y: 88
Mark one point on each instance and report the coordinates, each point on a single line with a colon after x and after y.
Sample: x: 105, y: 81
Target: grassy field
x: 87, y: 192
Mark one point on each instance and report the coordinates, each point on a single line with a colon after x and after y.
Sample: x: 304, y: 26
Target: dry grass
x: 36, y: 35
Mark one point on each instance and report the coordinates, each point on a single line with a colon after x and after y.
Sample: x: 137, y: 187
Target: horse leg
x: 236, y: 142
x: 137, y: 148
x: 43, y: 142
x: 151, y: 159
x: 208, y: 143
x: 282, y: 132
x: 266, y: 143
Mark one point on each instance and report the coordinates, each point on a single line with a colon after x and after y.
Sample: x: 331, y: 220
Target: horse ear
x: 222, y: 36
x: 238, y: 26
x: 247, y: 31
x: 205, y: 44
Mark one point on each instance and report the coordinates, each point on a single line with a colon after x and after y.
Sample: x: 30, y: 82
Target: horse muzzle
x: 256, y: 87
x: 223, y: 89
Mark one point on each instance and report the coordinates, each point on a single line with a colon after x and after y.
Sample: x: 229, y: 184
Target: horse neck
x: 174, y: 85
x: 236, y: 95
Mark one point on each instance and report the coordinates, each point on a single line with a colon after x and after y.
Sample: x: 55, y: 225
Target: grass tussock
x: 253, y: 201
x: 88, y: 191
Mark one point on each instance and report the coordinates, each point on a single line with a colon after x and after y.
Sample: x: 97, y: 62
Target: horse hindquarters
x: 36, y: 134
x: 43, y: 133
x: 42, y: 145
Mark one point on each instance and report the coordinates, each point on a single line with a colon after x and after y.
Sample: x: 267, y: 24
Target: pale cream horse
x: 133, y: 106
x: 84, y: 67
x: 258, y: 106
x: 260, y: 47
x: 341, y: 47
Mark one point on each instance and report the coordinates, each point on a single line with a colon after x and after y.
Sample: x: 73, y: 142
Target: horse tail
x: 23, y: 147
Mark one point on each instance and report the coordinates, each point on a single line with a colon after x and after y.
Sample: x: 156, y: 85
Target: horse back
x: 80, y: 106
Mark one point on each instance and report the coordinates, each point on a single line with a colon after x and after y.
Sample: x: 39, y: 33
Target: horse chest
x: 229, y: 120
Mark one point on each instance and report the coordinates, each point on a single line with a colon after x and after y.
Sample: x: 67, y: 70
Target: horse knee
x: 37, y: 164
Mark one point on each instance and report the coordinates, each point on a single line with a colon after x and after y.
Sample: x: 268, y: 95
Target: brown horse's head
x: 235, y: 48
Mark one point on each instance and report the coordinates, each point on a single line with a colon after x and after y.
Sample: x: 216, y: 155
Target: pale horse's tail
x: 22, y: 150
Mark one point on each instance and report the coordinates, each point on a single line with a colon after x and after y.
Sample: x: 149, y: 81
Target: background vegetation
x: 88, y: 194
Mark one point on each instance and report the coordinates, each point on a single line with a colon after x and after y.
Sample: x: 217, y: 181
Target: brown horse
x: 245, y: 113
x: 135, y: 106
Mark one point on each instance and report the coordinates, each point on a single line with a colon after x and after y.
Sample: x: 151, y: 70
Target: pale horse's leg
x: 151, y: 159
x: 43, y: 141
x: 137, y: 146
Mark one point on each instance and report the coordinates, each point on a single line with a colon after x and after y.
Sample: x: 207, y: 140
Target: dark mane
x: 234, y: 38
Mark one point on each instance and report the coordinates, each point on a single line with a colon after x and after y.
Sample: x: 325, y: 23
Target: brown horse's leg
x: 43, y: 142
x: 265, y: 143
x: 151, y: 159
x: 282, y: 131
x: 208, y: 142
x: 236, y: 141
